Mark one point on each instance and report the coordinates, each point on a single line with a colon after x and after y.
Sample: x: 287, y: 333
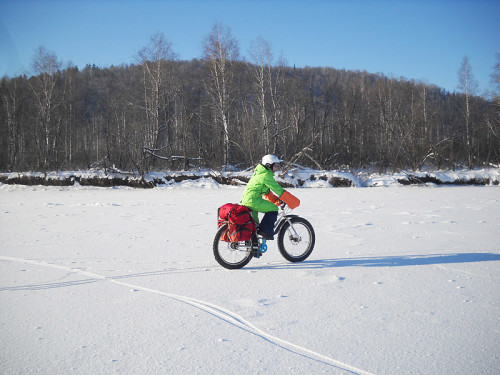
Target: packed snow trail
x: 214, y: 310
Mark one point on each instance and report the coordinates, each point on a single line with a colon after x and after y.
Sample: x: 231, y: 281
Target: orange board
x: 291, y: 200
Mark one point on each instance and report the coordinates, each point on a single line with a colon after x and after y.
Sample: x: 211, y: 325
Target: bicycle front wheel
x: 231, y: 255
x: 296, y: 241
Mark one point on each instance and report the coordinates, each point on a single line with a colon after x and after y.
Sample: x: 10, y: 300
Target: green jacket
x: 261, y: 182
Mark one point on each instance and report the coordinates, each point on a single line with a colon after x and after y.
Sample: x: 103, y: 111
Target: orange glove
x: 272, y: 198
x: 291, y: 200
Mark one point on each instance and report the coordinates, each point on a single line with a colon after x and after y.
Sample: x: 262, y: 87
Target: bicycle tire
x: 296, y: 249
x: 228, y: 255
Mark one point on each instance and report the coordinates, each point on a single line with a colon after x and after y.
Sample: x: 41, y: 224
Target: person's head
x: 271, y: 162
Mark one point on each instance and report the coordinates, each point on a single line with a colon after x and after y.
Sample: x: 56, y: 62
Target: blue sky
x: 424, y: 40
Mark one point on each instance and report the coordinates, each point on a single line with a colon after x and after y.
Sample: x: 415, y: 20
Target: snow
x: 297, y: 177
x: 402, y: 280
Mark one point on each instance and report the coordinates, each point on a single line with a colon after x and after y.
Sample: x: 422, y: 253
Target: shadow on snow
x: 398, y: 260
x: 382, y: 261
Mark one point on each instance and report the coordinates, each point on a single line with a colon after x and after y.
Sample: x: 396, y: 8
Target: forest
x: 224, y: 112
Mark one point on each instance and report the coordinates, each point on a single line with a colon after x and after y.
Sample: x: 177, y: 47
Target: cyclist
x: 259, y: 197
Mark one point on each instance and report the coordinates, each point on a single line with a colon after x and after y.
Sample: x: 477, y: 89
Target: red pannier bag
x: 240, y: 222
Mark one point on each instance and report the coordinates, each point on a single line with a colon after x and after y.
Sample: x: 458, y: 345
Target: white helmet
x: 269, y: 160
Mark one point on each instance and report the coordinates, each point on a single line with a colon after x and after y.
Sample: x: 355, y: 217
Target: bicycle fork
x: 295, y: 236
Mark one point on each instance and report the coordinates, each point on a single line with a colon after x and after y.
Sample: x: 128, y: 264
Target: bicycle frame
x: 283, y: 217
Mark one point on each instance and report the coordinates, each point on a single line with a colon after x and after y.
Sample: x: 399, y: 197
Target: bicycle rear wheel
x: 231, y: 255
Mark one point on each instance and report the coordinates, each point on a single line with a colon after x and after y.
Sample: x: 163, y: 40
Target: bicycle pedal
x: 263, y: 246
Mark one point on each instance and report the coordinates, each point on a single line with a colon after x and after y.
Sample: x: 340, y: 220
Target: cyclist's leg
x: 270, y: 211
x: 255, y: 215
x: 267, y: 223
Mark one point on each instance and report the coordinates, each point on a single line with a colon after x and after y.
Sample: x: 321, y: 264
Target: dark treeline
x: 219, y: 111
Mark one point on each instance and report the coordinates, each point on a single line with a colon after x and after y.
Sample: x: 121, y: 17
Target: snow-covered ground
x: 403, y: 280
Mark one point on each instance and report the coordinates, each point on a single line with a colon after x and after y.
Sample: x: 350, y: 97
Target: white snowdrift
x: 403, y: 280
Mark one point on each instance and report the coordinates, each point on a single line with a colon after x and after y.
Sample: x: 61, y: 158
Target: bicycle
x: 295, y: 235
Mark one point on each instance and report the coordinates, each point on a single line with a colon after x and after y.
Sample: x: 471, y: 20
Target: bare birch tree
x: 260, y: 52
x: 45, y: 68
x: 221, y: 50
x: 267, y: 76
x: 468, y: 85
x: 10, y: 137
x: 493, y: 120
x: 156, y: 62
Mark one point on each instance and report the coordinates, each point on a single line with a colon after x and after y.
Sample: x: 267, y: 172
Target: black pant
x: 267, y: 222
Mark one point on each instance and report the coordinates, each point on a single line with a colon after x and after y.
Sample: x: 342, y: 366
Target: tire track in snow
x: 226, y: 315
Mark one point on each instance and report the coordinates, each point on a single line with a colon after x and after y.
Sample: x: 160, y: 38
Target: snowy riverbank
x: 298, y: 177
